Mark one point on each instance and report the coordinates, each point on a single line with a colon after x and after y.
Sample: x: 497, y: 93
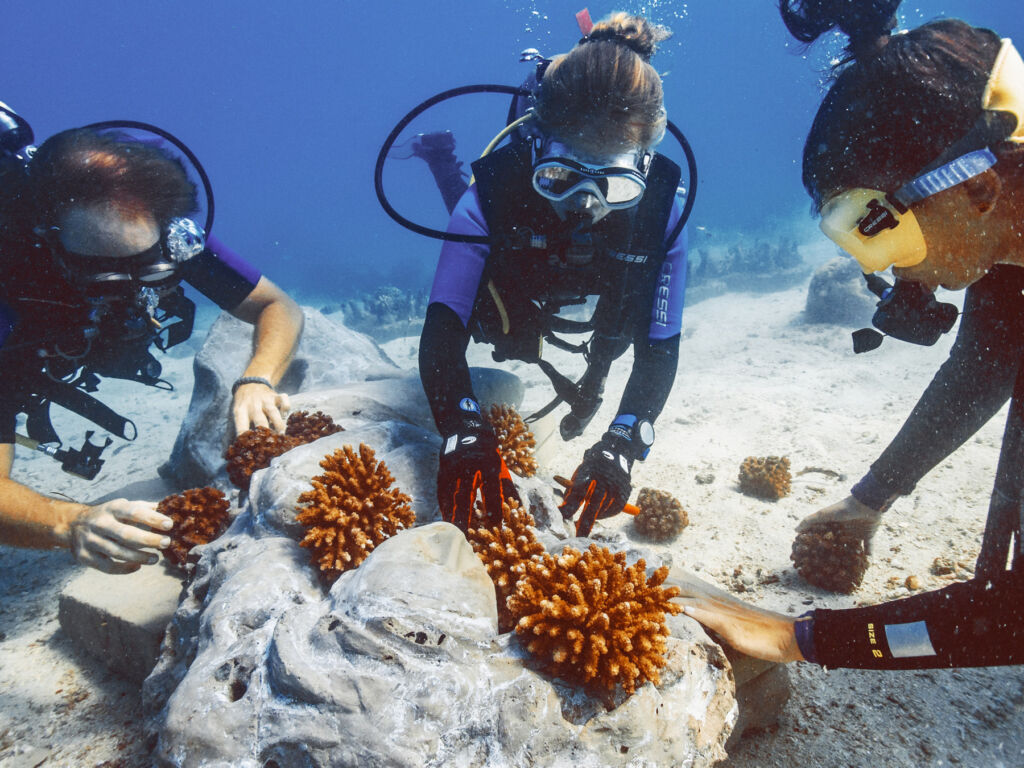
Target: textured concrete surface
x: 120, y: 619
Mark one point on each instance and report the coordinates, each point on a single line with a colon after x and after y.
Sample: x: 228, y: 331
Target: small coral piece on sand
x: 255, y: 448
x: 661, y: 516
x: 504, y: 550
x: 767, y: 477
x: 515, y: 440
x: 200, y: 515
x: 829, y: 558
x: 591, y: 620
x: 307, y: 427
x: 351, y: 509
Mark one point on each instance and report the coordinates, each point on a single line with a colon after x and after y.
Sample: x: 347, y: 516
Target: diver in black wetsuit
x: 932, y: 185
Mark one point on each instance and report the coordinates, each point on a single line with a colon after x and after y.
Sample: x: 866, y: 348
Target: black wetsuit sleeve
x: 970, y: 387
x: 8, y: 416
x: 978, y: 623
x: 221, y: 275
x: 650, y: 381
x: 443, y: 368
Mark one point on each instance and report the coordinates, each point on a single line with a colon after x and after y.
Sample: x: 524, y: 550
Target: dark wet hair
x: 605, y: 89
x: 862, y: 21
x: 898, y: 102
x: 84, y: 167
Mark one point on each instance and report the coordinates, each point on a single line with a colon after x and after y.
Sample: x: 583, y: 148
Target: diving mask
x: 156, y: 267
x: 618, y: 184
x: 878, y: 229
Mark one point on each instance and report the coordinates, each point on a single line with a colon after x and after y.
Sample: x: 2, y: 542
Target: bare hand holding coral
x: 113, y: 536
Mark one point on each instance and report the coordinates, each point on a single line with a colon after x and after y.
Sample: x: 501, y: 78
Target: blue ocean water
x: 286, y: 104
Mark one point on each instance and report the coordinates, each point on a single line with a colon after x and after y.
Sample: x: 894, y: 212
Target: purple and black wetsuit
x: 457, y: 284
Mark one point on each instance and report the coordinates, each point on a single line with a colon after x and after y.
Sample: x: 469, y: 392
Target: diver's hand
x: 851, y: 516
x: 114, y: 536
x: 756, y: 632
x: 601, y: 483
x: 257, y: 405
x: 470, y: 463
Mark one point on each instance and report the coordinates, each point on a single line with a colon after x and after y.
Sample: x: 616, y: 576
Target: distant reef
x: 384, y: 314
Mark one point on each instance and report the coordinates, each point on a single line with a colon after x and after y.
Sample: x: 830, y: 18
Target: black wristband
x: 250, y: 380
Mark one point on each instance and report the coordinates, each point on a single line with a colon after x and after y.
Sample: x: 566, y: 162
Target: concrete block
x: 120, y: 619
x: 760, y: 701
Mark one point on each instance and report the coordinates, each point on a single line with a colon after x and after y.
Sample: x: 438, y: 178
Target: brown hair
x: 605, y: 93
x: 83, y: 167
x: 897, y: 102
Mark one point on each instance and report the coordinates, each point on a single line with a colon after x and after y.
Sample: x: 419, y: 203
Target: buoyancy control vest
x: 536, y: 266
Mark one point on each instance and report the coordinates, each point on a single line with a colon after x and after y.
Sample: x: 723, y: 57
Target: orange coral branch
x: 515, y: 440
x: 350, y: 510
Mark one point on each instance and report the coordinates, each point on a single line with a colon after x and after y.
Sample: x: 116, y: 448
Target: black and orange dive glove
x: 470, y: 464
x: 601, y: 483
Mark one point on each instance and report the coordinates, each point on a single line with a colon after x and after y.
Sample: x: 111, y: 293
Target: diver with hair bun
x: 915, y: 162
x: 578, y: 204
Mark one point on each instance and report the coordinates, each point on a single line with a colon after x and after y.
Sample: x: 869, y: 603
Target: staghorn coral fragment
x: 766, y: 477
x: 255, y: 448
x: 515, y: 440
x: 829, y: 558
x: 591, y: 620
x: 661, y: 516
x: 200, y: 515
x: 306, y: 427
x: 350, y: 510
x: 504, y: 548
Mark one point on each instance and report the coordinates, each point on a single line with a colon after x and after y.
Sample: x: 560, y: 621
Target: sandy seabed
x: 753, y: 381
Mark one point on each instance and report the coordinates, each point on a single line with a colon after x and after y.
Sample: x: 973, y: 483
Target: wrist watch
x: 639, y: 432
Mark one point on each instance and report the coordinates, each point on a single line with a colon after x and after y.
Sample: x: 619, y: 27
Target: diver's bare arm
x: 29, y: 519
x: 278, y: 326
x: 277, y: 322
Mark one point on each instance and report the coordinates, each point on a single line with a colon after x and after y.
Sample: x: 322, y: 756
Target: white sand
x: 752, y: 380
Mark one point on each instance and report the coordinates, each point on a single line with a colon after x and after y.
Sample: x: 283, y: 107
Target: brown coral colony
x: 255, y: 448
x: 200, y: 515
x: 766, y: 478
x: 661, y: 516
x: 829, y: 558
x: 350, y: 510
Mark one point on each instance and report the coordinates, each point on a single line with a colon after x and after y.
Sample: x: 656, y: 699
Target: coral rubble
x: 255, y: 448
x: 200, y: 515
x: 591, y: 620
x: 350, y: 510
x: 829, y: 558
x: 661, y: 516
x: 504, y: 548
x: 515, y: 440
x: 767, y: 477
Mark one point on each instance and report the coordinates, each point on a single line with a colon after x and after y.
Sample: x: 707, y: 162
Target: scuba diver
x: 915, y: 161
x: 95, y: 240
x: 577, y: 205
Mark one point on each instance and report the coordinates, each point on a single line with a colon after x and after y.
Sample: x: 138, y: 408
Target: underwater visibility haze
x: 287, y: 105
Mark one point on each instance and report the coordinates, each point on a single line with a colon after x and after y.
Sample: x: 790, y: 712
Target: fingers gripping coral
x: 255, y: 448
x: 350, y: 510
x: 200, y: 515
x: 591, y: 620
